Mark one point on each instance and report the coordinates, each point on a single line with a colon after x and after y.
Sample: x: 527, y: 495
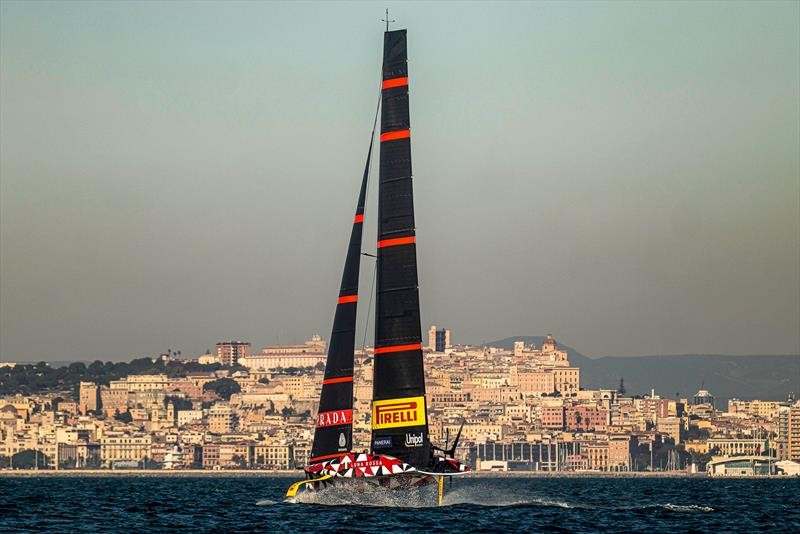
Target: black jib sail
x: 333, y: 435
x: 399, y: 414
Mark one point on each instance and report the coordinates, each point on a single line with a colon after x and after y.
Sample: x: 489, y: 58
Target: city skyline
x: 523, y: 408
x: 609, y: 173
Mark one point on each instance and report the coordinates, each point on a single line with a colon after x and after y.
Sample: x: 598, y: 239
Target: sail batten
x: 399, y: 411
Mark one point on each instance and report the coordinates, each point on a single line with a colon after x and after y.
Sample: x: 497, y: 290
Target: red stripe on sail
x: 358, y: 219
x: 398, y: 348
x: 394, y: 82
x: 338, y: 380
x: 391, y: 136
x: 348, y: 298
x: 396, y: 241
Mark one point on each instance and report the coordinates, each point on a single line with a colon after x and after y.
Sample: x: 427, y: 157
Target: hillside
x: 747, y: 377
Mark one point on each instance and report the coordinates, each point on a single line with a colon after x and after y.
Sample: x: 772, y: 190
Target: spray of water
x: 474, y: 494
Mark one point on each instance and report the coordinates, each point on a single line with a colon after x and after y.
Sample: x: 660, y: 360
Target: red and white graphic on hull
x: 351, y: 465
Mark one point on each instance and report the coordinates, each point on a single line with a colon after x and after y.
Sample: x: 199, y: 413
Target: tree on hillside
x: 124, y: 417
x: 223, y: 387
x: 180, y: 403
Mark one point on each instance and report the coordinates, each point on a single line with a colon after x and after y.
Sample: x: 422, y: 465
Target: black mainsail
x: 399, y: 412
x: 333, y: 435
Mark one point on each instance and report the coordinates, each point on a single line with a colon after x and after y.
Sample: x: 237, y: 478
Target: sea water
x: 256, y: 504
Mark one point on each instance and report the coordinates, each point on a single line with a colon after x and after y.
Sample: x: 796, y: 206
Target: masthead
x: 387, y: 21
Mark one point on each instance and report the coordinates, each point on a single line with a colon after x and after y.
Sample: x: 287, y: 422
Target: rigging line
x: 369, y: 308
x: 370, y: 161
x: 366, y: 198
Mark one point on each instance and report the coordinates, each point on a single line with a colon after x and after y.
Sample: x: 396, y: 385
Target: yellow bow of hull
x: 292, y: 491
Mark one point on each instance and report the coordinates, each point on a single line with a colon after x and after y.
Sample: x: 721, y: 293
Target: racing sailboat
x: 401, y: 454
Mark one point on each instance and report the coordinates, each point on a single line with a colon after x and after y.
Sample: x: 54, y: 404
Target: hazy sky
x: 625, y: 176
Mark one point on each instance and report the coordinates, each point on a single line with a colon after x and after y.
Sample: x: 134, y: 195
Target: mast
x: 333, y: 435
x: 399, y: 412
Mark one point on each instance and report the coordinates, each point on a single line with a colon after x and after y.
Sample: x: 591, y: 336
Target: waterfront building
x: 542, y: 455
x: 235, y: 455
x: 273, y: 456
x: 210, y: 456
x: 793, y: 433
x: 124, y: 449
x: 742, y: 466
x: 620, y: 450
x: 79, y: 455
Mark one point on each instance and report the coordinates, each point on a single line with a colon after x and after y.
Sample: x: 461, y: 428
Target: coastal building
x: 312, y: 353
x: 672, y: 426
x: 438, y: 339
x: 755, y: 408
x: 124, y: 449
x: 750, y: 465
x: 793, y: 433
x: 89, y: 397
x: 221, y: 419
x: 275, y: 456
x: 140, y: 383
x: 207, y: 359
x: 728, y: 446
x: 703, y: 397
x: 230, y: 352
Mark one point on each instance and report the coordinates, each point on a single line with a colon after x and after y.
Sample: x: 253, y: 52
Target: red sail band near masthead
x: 335, y: 418
x: 396, y: 241
x: 337, y: 380
x: 347, y: 298
x: 394, y: 82
x: 398, y: 348
x: 391, y: 136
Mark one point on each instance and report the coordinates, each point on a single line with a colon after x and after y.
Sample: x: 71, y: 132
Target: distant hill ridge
x: 764, y: 377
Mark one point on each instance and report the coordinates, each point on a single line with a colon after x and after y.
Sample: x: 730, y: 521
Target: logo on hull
x: 394, y: 413
x: 335, y: 418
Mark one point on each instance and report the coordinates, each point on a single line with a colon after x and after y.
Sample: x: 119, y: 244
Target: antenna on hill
x: 386, y: 20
